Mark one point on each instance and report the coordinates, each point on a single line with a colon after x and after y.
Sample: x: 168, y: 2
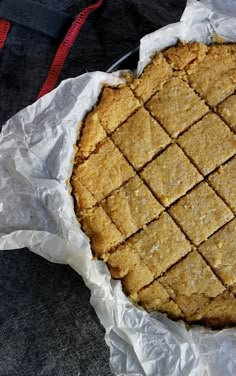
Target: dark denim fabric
x: 47, y: 326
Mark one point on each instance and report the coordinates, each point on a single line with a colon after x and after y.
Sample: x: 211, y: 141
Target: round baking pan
x: 127, y: 61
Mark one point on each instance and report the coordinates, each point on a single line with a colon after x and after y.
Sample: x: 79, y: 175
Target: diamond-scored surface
x: 104, y: 171
x: 128, y: 170
x: 140, y: 138
x: 170, y: 175
x: 200, y: 213
x: 208, y: 143
x: 214, y: 78
x: 125, y: 206
x: 227, y: 111
x: 220, y: 253
x: 223, y: 180
x: 176, y: 106
x: 191, y: 283
x: 155, y: 247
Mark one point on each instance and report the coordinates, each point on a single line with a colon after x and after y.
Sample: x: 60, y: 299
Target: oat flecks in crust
x: 218, y: 312
x: 91, y: 134
x: 181, y: 56
x: 170, y: 175
x: 176, y: 106
x: 140, y: 138
x: 224, y: 182
x: 153, y: 78
x: 154, y: 183
x: 115, y: 170
x: 227, y: 110
x: 102, y: 232
x: 220, y: 252
x: 191, y: 283
x: 217, y: 144
x: 132, y: 206
x: 155, y: 298
x: 214, y: 78
x: 155, y: 247
x: 83, y: 197
x: 203, y: 210
x: 115, y: 106
x: 137, y: 278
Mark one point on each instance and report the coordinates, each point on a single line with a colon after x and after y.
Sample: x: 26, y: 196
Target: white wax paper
x: 36, y: 211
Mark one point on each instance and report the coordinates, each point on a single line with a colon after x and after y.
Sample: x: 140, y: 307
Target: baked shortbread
x: 154, y: 183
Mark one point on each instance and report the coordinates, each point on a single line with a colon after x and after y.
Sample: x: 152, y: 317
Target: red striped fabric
x: 64, y: 48
x: 4, y: 29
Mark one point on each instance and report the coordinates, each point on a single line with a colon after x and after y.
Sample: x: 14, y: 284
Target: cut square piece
x: 155, y: 298
x: 224, y: 182
x: 115, y: 106
x: 170, y: 175
x: 91, y: 134
x: 200, y: 213
x: 220, y: 252
x: 104, y: 171
x: 102, y: 232
x: 122, y: 261
x: 152, y: 78
x: 209, y: 143
x: 137, y: 278
x: 176, y: 106
x: 156, y: 247
x: 83, y: 197
x: 132, y: 206
x: 227, y: 111
x: 191, y: 283
x: 214, y: 78
x: 220, y: 312
x: 140, y: 138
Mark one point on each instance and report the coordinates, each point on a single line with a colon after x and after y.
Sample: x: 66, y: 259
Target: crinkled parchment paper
x: 36, y: 211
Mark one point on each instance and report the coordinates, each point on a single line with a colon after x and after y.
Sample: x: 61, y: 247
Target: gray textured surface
x: 47, y: 326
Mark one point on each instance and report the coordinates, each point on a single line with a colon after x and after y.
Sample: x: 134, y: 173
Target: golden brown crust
x: 220, y: 253
x: 217, y: 144
x: 218, y: 313
x: 224, y: 182
x: 176, y: 106
x: 140, y: 138
x: 114, y: 167
x: 227, y: 110
x: 115, y: 106
x: 179, y: 57
x: 83, y: 197
x: 200, y: 213
x: 153, y: 78
x: 166, y: 138
x: 102, y: 232
x: 92, y: 133
x: 191, y: 283
x: 155, y: 298
x: 132, y: 206
x: 170, y: 175
x: 214, y: 78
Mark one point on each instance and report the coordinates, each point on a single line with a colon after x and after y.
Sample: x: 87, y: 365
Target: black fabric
x: 47, y: 326
x: 35, y: 16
